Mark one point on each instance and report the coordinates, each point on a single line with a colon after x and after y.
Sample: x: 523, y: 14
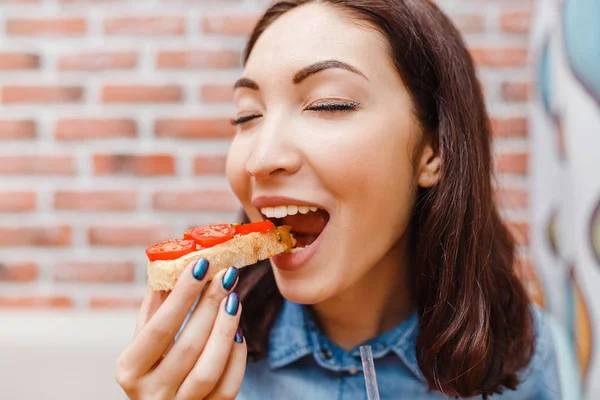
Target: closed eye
x: 246, y: 118
x: 333, y: 106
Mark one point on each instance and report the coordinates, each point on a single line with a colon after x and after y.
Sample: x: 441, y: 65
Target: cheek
x: 236, y: 169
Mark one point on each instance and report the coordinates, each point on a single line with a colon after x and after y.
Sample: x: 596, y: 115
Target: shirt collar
x: 296, y: 335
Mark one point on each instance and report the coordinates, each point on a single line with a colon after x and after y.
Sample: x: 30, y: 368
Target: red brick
x: 209, y: 164
x: 520, y: 231
x: 19, y: 272
x: 512, y: 197
x: 103, y: 303
x: 512, y: 163
x: 94, y: 272
x: 98, y: 61
x: 41, y: 94
x: 123, y: 236
x: 516, y: 91
x: 229, y: 25
x: 498, y: 57
x: 18, y: 61
x: 145, y: 26
x: 17, y: 201
x: 198, y: 59
x: 37, y: 165
x: 142, y: 94
x: 206, y: 200
x: 509, y: 127
x: 215, y: 93
x: 66, y: 26
x: 213, y: 128
x: 37, y: 301
x: 96, y: 200
x: 137, y: 165
x: 515, y: 22
x: 469, y: 23
x: 17, y: 129
x: 51, y: 236
x: 93, y: 128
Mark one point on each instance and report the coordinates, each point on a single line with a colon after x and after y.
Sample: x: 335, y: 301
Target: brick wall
x: 114, y: 128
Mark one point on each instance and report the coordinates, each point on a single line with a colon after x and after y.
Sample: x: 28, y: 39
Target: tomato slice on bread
x: 170, y: 249
x: 261, y: 227
x: 211, y: 235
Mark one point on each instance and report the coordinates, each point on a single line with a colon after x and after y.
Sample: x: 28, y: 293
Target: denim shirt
x: 303, y: 364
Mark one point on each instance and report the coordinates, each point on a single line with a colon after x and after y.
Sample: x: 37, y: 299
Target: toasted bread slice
x: 239, y: 252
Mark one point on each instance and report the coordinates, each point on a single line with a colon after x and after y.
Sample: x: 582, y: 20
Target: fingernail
x: 200, y: 269
x: 232, y: 304
x: 239, y: 335
x: 230, y: 277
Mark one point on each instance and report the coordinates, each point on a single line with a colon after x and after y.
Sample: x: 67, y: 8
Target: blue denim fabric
x: 303, y: 364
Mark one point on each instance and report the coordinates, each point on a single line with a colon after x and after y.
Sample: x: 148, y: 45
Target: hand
x: 207, y: 361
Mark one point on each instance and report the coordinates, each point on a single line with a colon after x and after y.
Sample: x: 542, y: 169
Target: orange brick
x: 194, y: 201
x: 123, y: 236
x: 516, y: 91
x: 211, y: 93
x: 91, y: 128
x: 469, y: 23
x: 142, y: 94
x: 509, y: 127
x: 213, y: 128
x: 73, y: 26
x: 19, y: 272
x: 512, y: 197
x: 102, y: 303
x: 198, y: 59
x: 51, y: 236
x: 512, y: 163
x: 515, y: 22
x: 499, y: 57
x: 41, y: 94
x: 17, y: 201
x: 18, y: 301
x: 18, y: 61
x: 145, y: 26
x: 37, y: 165
x: 98, y: 61
x: 96, y: 200
x: 229, y: 25
x: 137, y: 165
x: 94, y: 272
x: 520, y: 231
x: 209, y: 165
x: 17, y: 129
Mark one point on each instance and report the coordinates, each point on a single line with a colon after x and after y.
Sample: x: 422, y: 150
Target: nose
x: 273, y: 153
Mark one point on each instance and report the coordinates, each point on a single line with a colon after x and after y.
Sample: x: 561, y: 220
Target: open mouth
x: 307, y: 222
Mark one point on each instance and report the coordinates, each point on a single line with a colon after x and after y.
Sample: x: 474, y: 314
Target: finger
x: 231, y: 381
x: 208, y: 369
x: 184, y: 353
x: 151, y: 302
x: 157, y: 334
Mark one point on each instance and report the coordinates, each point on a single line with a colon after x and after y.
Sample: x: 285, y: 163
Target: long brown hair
x: 475, y: 326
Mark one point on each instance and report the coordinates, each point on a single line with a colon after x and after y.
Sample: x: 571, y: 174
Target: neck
x: 375, y: 304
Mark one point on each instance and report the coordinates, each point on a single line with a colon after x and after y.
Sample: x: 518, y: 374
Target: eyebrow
x: 304, y: 73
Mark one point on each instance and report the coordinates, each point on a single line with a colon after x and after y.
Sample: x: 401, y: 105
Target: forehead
x: 316, y: 32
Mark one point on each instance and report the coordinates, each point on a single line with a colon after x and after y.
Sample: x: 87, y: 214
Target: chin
x: 305, y: 290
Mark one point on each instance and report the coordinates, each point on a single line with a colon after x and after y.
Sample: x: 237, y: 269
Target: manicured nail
x: 232, y: 304
x: 239, y: 335
x: 230, y: 277
x: 200, y: 269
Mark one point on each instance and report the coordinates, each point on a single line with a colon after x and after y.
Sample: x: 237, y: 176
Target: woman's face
x: 326, y: 122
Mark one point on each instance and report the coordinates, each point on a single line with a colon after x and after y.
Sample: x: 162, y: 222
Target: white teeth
x: 282, y: 211
x: 296, y: 250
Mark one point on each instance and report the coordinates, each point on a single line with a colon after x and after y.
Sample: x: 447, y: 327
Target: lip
x: 274, y: 201
x: 295, y: 261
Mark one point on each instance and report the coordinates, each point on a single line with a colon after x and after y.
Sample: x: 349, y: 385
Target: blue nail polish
x: 239, y: 336
x: 230, y: 277
x: 232, y: 304
x: 200, y: 269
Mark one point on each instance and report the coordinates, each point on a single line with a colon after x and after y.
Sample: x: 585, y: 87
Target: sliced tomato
x: 188, y: 234
x: 170, y: 249
x: 211, y: 235
x: 261, y: 227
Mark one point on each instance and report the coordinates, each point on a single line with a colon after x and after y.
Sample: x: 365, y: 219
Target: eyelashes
x: 325, y: 106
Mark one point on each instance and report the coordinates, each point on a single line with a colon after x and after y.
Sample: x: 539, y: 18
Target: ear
x: 428, y: 169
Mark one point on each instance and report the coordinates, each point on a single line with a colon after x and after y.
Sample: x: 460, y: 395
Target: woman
x: 370, y: 113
